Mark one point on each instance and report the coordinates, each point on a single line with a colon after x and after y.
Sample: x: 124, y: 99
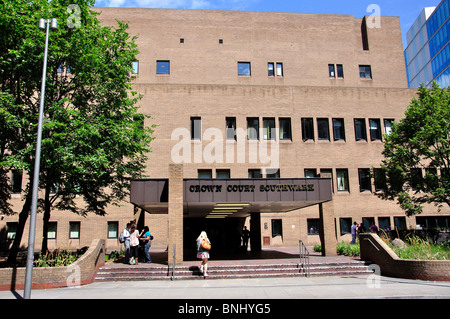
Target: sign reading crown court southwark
x: 257, y: 190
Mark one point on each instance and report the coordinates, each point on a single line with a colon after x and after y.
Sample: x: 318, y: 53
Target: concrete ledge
x: 81, y: 272
x: 378, y: 252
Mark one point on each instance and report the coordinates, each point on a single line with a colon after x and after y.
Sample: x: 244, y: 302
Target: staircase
x: 143, y: 272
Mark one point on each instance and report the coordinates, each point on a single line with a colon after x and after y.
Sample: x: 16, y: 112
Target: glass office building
x: 427, y: 55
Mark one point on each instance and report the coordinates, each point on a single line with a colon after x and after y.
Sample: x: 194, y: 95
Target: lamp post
x: 53, y: 23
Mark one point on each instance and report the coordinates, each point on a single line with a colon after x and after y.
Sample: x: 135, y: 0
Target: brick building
x: 259, y: 96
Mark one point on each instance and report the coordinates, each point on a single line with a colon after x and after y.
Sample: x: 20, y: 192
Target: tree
x: 93, y: 138
x: 420, y: 142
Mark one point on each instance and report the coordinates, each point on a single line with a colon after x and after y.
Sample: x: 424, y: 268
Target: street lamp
x: 53, y: 23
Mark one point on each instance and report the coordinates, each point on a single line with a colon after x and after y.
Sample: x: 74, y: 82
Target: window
x: 375, y: 129
x: 277, y: 227
x: 307, y: 129
x: 338, y: 129
x: 74, y: 230
x: 342, y: 180
x: 323, y: 129
x: 388, y: 126
x: 384, y: 223
x: 340, y: 70
x: 222, y: 173
x: 310, y: 172
x: 270, y: 69
x: 254, y: 173
x: 279, y: 69
x: 272, y: 173
x: 364, y: 180
x: 113, y: 229
x: 162, y: 67
x: 11, y: 230
x: 365, y: 72
x: 204, y: 173
x: 360, y: 129
x: 135, y: 67
x: 244, y: 68
x: 313, y: 226
x: 51, y: 232
x: 346, y: 224
x: 230, y: 124
x: 220, y: 41
x: 379, y: 176
x: 269, y: 128
x: 16, y: 181
x: 400, y: 223
x: 252, y: 128
x: 285, y: 129
x: 367, y: 222
x: 331, y: 71
x: 181, y: 40
x: 196, y: 128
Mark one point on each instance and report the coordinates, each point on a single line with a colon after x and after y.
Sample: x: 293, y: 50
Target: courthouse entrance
x: 223, y: 204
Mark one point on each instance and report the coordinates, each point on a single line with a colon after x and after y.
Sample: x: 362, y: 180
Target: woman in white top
x: 203, y: 253
x: 134, y: 244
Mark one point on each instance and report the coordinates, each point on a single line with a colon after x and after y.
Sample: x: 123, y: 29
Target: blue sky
x: 407, y: 10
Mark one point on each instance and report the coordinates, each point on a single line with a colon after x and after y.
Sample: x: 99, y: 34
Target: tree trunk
x: 23, y: 216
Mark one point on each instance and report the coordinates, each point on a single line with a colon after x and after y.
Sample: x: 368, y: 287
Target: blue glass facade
x: 427, y: 56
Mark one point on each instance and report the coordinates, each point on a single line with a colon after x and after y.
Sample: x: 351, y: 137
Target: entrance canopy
x: 220, y: 198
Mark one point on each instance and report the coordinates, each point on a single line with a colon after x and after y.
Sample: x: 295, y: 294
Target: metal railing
x: 304, y: 258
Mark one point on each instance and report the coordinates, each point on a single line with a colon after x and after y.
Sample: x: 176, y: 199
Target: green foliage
x: 421, y: 140
x: 347, y: 249
x: 420, y: 249
x: 57, y: 258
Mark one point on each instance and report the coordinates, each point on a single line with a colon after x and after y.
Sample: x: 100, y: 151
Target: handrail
x: 304, y: 258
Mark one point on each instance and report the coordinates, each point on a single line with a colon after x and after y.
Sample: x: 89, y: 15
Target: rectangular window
x: 277, y: 227
x: 346, y: 224
x: 162, y: 67
x: 135, y: 67
x: 16, y: 181
x: 364, y: 180
x: 254, y: 173
x: 269, y: 128
x: 271, y: 69
x: 310, y: 172
x: 338, y: 129
x: 379, y: 176
x: 74, y: 230
x: 360, y: 129
x: 113, y: 229
x: 384, y: 223
x: 331, y: 71
x: 11, y: 230
x: 279, y: 69
x: 313, y: 226
x: 230, y: 124
x: 375, y: 129
x: 342, y: 180
x: 222, y: 174
x: 204, y: 173
x: 244, y: 68
x: 388, y: 126
x: 340, y: 70
x: 285, y: 129
x: 272, y: 173
x: 367, y: 222
x: 196, y: 128
x: 51, y: 232
x: 323, y: 129
x: 365, y: 72
x: 307, y: 128
x: 252, y: 128
x: 400, y: 223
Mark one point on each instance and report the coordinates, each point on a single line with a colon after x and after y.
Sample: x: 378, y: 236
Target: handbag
x: 205, y: 244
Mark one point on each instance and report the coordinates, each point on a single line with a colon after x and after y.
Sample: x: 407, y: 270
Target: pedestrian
x: 146, y: 237
x: 126, y: 241
x: 203, y: 247
x: 353, y: 231
x: 245, y: 237
x: 374, y: 228
x: 134, y: 244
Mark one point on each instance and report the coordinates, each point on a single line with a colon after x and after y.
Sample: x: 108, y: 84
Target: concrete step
x: 154, y: 272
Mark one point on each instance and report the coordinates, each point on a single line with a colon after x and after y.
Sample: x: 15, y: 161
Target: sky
x: 407, y: 10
